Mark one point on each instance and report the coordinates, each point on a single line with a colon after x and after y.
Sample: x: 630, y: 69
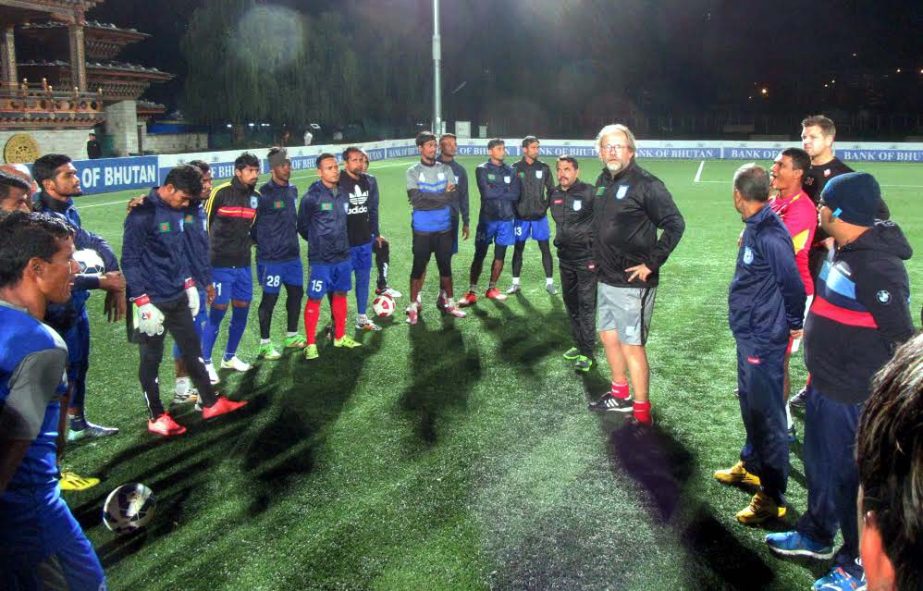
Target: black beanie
x: 853, y: 197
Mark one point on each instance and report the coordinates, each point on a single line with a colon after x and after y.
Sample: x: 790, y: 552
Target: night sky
x: 677, y: 54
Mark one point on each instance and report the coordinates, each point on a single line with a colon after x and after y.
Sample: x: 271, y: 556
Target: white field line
x: 698, y: 174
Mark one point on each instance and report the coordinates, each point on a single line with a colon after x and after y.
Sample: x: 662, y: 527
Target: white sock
x: 515, y: 280
x: 291, y: 334
x: 473, y: 288
x: 549, y: 281
x: 450, y: 303
x: 265, y: 341
x: 362, y: 319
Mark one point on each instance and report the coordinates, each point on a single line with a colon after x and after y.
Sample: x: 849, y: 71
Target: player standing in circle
x: 431, y: 191
x: 631, y: 206
x: 322, y: 222
x: 859, y: 317
x: 381, y: 247
x: 156, y: 259
x: 572, y: 210
x: 500, y: 188
x: 231, y: 211
x: 195, y: 235
x: 798, y: 214
x: 531, y: 219
x: 817, y: 135
x: 57, y: 177
x: 448, y: 148
x: 43, y: 546
x: 278, y: 255
x: 362, y: 227
x: 765, y: 312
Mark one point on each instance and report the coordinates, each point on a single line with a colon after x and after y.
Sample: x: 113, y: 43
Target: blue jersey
x: 275, y: 229
x: 33, y: 358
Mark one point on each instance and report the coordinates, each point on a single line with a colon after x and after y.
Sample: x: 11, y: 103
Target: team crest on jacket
x: 578, y: 204
x: 254, y: 202
x: 884, y: 296
x: 748, y: 255
x: 623, y: 190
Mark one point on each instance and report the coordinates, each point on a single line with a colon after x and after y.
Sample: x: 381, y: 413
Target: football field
x: 459, y: 453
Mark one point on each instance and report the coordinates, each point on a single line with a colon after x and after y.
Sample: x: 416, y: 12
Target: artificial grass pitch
x: 457, y: 454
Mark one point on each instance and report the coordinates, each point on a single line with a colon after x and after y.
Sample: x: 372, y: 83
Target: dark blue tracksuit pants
x: 762, y: 408
x: 78, y: 362
x: 833, y: 479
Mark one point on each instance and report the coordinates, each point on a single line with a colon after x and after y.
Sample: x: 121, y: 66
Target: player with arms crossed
x: 531, y: 219
x: 231, y: 211
x: 500, y: 188
x: 431, y: 191
x: 322, y: 222
x: 572, y: 210
x: 278, y: 254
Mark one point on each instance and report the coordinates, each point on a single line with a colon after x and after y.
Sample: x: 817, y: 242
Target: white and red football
x: 383, y: 306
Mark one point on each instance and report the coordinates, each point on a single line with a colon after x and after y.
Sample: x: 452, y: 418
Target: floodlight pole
x: 437, y: 59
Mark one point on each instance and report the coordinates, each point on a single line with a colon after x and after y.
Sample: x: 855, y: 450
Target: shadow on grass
x: 444, y: 371
x: 662, y: 466
x: 284, y: 450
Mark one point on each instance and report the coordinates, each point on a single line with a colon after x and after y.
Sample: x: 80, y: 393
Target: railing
x: 28, y: 98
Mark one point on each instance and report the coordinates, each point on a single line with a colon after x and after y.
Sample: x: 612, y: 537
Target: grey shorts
x: 627, y: 310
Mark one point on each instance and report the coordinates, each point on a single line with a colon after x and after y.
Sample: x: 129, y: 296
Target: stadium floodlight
x: 437, y: 59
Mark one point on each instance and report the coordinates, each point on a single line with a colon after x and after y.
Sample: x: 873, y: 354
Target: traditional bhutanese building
x: 68, y: 80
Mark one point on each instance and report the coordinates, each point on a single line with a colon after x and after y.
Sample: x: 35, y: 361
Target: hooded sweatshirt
x: 860, y: 314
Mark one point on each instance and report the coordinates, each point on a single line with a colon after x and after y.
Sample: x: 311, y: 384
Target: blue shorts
x: 535, y: 229
x: 40, y: 542
x: 274, y: 274
x: 360, y: 257
x: 329, y: 277
x: 499, y: 231
x: 232, y: 283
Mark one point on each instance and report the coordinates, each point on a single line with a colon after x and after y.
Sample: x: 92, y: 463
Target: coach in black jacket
x: 631, y: 205
x: 572, y: 210
x: 860, y: 314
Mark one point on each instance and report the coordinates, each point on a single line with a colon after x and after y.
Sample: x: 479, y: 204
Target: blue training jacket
x: 195, y: 233
x: 275, y: 229
x: 500, y: 188
x: 322, y: 222
x: 155, y: 259
x: 766, y: 298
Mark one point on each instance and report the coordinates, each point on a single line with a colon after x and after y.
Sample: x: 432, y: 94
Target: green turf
x: 456, y: 454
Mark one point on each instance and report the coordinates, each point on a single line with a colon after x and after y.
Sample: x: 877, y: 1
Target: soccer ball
x: 128, y: 508
x: 90, y: 262
x: 383, y: 306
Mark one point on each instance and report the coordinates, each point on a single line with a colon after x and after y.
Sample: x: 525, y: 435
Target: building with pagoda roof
x: 60, y: 79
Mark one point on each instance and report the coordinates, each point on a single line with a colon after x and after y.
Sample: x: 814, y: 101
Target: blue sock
x: 363, y: 279
x: 236, y: 330
x: 215, y: 316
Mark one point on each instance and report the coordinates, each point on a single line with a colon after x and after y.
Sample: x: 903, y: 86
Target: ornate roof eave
x: 64, y: 10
